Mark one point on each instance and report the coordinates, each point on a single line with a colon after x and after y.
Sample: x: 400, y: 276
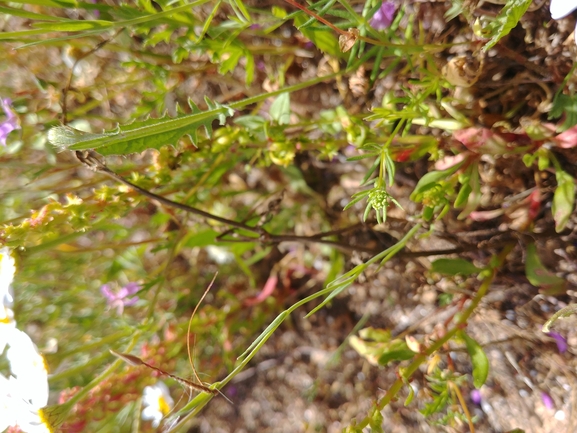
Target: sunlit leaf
x: 478, y: 359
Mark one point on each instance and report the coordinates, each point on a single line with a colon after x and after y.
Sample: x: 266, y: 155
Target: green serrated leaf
x: 478, y: 359
x: 454, y: 267
x: 540, y: 276
x: 139, y: 136
x: 506, y: 21
x: 563, y: 199
x: 562, y: 313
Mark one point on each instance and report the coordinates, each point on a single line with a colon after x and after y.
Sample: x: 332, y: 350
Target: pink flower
x: 122, y: 298
x: 383, y: 17
x: 547, y: 401
x: 562, y: 345
x: 11, y: 122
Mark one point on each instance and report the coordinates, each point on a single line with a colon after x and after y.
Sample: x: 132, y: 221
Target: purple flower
x: 122, y: 298
x: 383, y: 17
x: 547, y: 401
x: 562, y: 345
x: 476, y: 396
x: 11, y: 122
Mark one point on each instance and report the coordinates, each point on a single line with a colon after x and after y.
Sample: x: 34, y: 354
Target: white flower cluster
x: 25, y: 391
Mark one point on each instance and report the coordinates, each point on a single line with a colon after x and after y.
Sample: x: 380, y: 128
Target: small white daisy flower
x: 157, y: 403
x: 25, y: 391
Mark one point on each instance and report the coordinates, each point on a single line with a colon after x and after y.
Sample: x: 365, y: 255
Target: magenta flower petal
x: 476, y: 396
x: 122, y: 298
x: 383, y: 17
x: 547, y: 401
x: 11, y: 122
x: 562, y: 345
x: 107, y: 293
x: 132, y: 288
x: 130, y: 302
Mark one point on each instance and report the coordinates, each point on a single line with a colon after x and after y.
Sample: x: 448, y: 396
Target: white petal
x: 29, y: 369
x: 561, y: 8
x: 7, y: 270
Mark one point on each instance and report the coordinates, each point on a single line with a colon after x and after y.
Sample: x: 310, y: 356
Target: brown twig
x: 136, y: 361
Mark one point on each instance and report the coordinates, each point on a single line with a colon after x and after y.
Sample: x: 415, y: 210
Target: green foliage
x: 563, y: 199
x: 382, y: 349
x: 539, y: 275
x: 478, y: 359
x: 565, y: 105
x: 440, y: 382
x: 506, y: 21
x: 141, y: 135
x: 74, y: 233
x: 454, y: 267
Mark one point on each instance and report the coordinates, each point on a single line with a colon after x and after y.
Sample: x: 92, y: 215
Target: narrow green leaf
x: 30, y: 15
x: 52, y: 3
x: 454, y: 267
x: 563, y: 199
x: 74, y: 26
x: 474, y: 195
x: 478, y: 359
x: 540, y: 276
x: 411, y: 395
